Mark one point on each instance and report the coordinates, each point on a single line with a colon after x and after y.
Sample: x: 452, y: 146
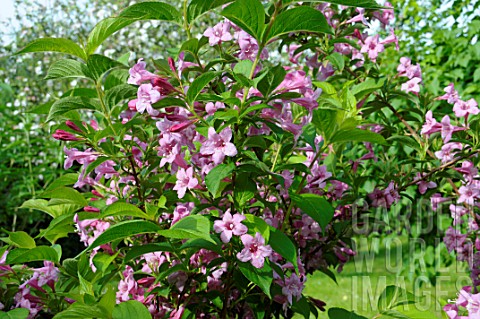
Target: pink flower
x: 62, y: 135
x: 437, y: 199
x: 463, y: 109
x: 412, y: 85
x: 453, y: 238
x: 451, y: 95
x: 255, y: 250
x: 468, y: 194
x: 219, y: 33
x: 138, y: 74
x: 359, y: 18
x: 392, y: 38
x: 386, y: 15
x: 447, y: 153
x: 219, y: 145
x: 373, y: 47
x: 292, y: 287
x: 468, y: 170
x: 248, y: 46
x: 448, y: 129
x: 406, y: 68
x: 146, y: 96
x: 182, y: 64
x: 424, y: 185
x: 212, y: 108
x: 391, y: 194
x: 230, y: 225
x: 181, y: 211
x: 431, y: 125
x: 185, y: 180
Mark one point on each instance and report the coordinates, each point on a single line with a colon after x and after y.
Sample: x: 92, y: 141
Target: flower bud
x: 62, y: 135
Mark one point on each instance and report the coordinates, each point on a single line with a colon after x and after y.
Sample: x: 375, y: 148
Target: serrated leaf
x: 103, y: 30
x: 39, y: 253
x: 358, y: 135
x: 283, y: 245
x: 98, y: 64
x: 54, y: 45
x: 248, y: 15
x: 271, y: 80
x: 189, y: 227
x: 67, y: 68
x: 69, y: 195
x: 216, y: 175
x: 152, y: 11
x: 339, y: 313
x: 369, y: 4
x: 125, y: 229
x: 315, y: 206
x: 263, y: 277
x: 119, y: 93
x: 131, y: 309
x: 21, y: 239
x: 299, y: 19
x: 18, y: 313
x: 122, y: 209
x: 198, y: 84
x: 198, y: 7
x: 71, y: 103
x: 81, y: 311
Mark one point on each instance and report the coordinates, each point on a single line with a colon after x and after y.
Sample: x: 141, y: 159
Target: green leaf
x: 103, y: 30
x: 125, y: 229
x: 339, y: 313
x: 369, y: 4
x: 315, y: 206
x: 366, y: 87
x: 152, y: 11
x: 411, y: 313
x: 198, y: 85
x: 255, y: 225
x: 65, y: 195
x: 21, y: 239
x: 54, y: 45
x: 245, y: 189
x: 81, y: 311
x: 248, y: 15
x: 191, y: 45
x: 71, y: 103
x: 357, y: 135
x: 42, y: 205
x: 18, y: 313
x: 86, y: 286
x: 137, y: 251
x: 23, y: 255
x: 64, y: 180
x: 283, y: 245
x: 393, y: 296
x: 193, y: 226
x: 99, y: 64
x: 263, y: 277
x: 243, y: 67
x: 271, y: 80
x: 216, y: 175
x: 198, y: 7
x: 131, y: 309
x: 67, y: 68
x: 337, y: 60
x: 325, y: 122
x: 299, y: 19
x: 122, y: 209
x: 119, y: 93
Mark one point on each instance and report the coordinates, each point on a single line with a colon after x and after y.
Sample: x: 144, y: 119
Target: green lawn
x: 362, y: 281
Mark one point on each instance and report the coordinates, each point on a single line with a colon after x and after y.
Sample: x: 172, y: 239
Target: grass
x: 363, y: 279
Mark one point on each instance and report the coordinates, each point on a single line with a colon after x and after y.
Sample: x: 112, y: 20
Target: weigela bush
x: 210, y: 184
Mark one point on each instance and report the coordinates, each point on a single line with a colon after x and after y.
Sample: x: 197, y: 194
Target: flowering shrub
x: 213, y: 182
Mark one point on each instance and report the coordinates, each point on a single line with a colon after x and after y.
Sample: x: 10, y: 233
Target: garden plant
x: 211, y: 183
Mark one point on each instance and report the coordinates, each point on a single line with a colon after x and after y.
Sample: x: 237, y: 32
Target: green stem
x: 186, y: 26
